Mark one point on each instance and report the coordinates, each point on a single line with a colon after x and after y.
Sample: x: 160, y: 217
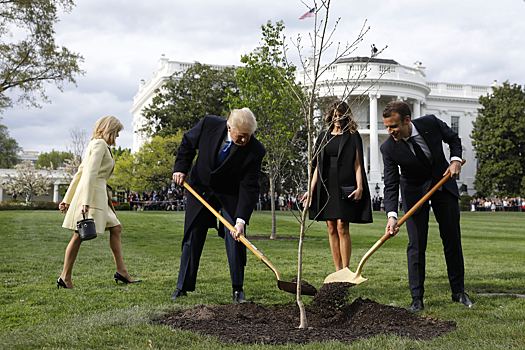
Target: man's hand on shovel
x: 392, y: 227
x: 239, y: 231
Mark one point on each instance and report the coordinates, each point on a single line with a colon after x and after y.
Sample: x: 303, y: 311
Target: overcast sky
x: 468, y: 41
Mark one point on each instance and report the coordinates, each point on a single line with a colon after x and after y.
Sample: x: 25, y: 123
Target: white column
x: 423, y: 107
x: 375, y: 174
x: 55, y: 193
x: 416, y: 113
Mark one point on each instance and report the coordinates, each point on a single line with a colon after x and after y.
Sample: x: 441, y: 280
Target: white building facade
x: 385, y: 81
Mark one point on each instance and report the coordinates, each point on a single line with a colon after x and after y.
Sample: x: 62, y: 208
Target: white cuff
x: 456, y: 158
x: 240, y: 220
x: 392, y: 214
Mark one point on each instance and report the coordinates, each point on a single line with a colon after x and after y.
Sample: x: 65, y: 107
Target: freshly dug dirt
x: 330, y: 317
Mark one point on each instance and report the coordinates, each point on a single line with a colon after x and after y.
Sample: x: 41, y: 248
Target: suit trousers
x: 192, y: 250
x: 446, y: 210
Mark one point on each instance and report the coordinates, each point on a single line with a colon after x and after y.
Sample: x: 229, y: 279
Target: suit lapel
x: 216, y: 137
x: 426, y: 136
x: 402, y: 146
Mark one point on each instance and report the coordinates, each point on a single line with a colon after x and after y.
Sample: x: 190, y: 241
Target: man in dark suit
x: 226, y: 175
x: 416, y: 148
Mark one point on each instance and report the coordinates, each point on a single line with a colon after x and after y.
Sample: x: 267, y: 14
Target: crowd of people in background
x: 497, y: 204
x: 172, y: 198
x: 283, y: 201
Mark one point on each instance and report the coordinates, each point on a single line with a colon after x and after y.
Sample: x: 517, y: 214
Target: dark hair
x: 344, y: 109
x: 399, y: 107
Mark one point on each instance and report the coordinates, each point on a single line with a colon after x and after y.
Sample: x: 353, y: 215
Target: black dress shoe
x: 178, y: 293
x: 119, y: 277
x: 461, y: 298
x: 416, y: 305
x: 239, y: 297
x: 61, y: 283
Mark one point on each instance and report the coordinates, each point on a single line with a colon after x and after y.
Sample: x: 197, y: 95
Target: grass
x: 98, y: 314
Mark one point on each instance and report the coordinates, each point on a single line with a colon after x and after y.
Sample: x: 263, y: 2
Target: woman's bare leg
x: 69, y: 259
x: 333, y: 237
x: 345, y: 242
x: 114, y: 244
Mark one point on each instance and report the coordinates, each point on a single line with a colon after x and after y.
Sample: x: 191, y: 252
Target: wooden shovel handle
x: 241, y: 238
x: 416, y: 206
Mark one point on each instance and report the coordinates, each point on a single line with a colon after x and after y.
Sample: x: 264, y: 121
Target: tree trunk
x: 272, y: 203
x: 302, y: 311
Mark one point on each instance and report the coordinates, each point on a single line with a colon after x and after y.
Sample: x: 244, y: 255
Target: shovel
x: 345, y: 275
x: 290, y: 287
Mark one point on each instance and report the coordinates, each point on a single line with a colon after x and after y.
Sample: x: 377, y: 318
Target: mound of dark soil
x: 330, y: 317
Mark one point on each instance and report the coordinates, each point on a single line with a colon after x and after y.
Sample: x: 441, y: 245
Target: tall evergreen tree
x: 499, y: 140
x: 8, y: 149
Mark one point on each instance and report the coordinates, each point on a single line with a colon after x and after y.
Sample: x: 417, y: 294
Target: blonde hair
x: 243, y: 120
x: 107, y: 128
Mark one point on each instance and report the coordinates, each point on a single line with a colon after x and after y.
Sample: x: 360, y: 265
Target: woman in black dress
x: 340, y: 192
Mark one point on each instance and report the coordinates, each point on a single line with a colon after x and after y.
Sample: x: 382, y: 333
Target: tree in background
x: 187, y: 97
x: 8, y: 149
x: 261, y: 88
x: 28, y: 64
x: 69, y: 168
x: 117, y: 152
x: 499, y: 140
x: 149, y: 168
x: 27, y: 181
x: 53, y: 159
x: 78, y: 142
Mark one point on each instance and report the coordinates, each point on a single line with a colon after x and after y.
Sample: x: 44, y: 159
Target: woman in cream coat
x: 88, y: 193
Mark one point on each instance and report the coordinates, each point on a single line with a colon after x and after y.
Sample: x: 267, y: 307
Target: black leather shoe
x: 461, y: 298
x: 178, y: 293
x: 239, y: 297
x: 417, y: 305
x: 119, y: 277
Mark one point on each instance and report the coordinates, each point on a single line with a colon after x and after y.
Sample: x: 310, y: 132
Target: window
x: 368, y: 159
x: 454, y: 124
x: 368, y: 117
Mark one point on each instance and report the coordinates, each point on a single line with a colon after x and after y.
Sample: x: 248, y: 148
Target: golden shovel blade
x: 357, y: 279
x: 344, y: 275
x: 339, y: 276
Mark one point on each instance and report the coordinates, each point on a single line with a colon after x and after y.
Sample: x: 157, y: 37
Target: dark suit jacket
x: 415, y: 179
x: 356, y: 212
x: 235, y: 183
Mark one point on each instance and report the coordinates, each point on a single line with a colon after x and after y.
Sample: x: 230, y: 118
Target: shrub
x: 122, y: 206
x: 14, y: 204
x: 464, y: 203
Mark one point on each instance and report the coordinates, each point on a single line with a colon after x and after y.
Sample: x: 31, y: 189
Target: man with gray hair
x: 226, y: 175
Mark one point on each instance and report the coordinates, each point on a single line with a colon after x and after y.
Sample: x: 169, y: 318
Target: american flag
x: 310, y: 13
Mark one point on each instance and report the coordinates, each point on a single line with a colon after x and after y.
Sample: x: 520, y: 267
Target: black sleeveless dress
x: 338, y: 154
x: 332, y: 210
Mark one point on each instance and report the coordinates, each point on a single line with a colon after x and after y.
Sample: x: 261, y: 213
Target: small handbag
x: 346, y: 191
x: 86, y: 228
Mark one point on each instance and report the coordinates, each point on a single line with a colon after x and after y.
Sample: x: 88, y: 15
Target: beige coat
x: 89, y: 188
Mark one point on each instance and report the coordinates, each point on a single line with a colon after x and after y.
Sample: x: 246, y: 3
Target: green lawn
x: 98, y: 314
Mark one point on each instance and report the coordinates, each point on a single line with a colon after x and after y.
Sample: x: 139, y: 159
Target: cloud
x: 467, y: 41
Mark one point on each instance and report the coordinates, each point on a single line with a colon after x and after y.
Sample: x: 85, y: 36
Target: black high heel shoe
x: 119, y: 277
x: 61, y: 283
